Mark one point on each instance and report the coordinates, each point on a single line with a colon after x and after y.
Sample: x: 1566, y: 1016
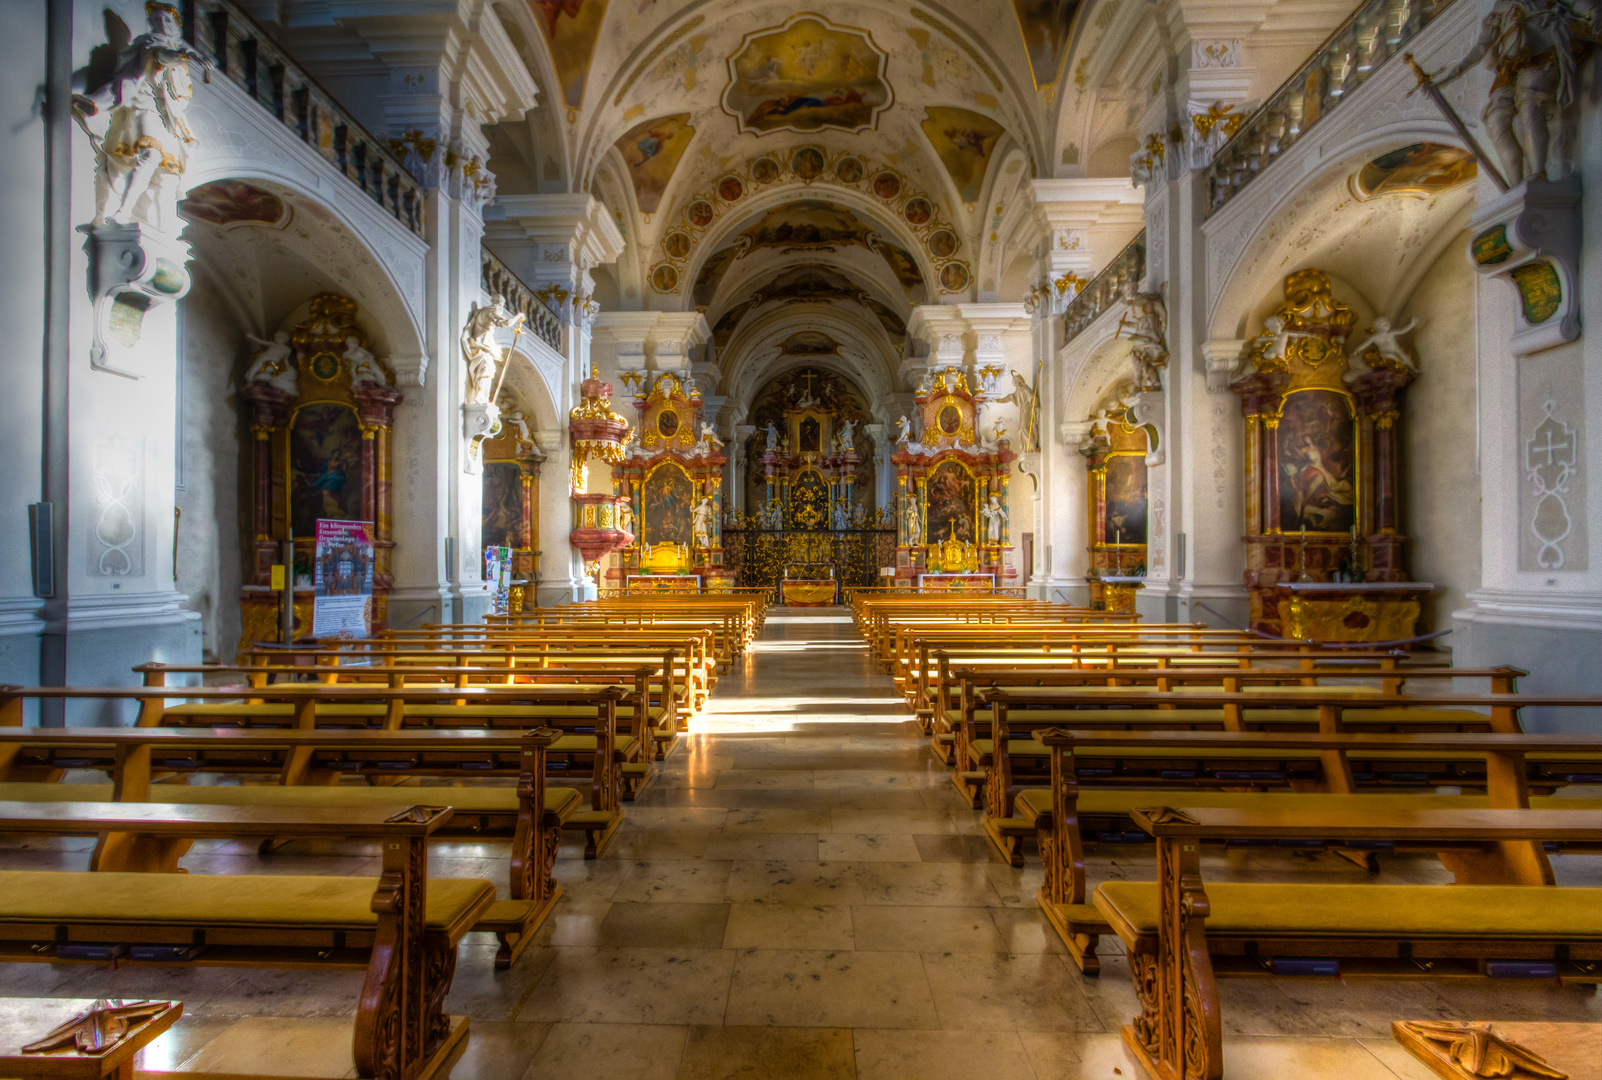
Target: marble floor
x: 800, y: 894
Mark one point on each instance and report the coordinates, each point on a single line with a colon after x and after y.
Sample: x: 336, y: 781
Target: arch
x: 1335, y: 241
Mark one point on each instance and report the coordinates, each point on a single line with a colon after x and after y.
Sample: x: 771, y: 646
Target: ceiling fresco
x: 807, y: 75
x: 1419, y: 170
x: 965, y: 142
x: 651, y: 152
x: 810, y: 284
x: 571, y: 29
x: 1047, y: 27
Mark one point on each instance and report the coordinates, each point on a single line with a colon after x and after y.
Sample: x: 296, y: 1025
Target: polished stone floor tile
x: 925, y: 929
x: 602, y: 1050
x: 795, y: 882
x: 745, y: 846
x: 783, y: 926
x: 271, y: 1046
x: 682, y: 881
x: 768, y: 1053
x: 947, y: 884
x: 498, y: 1051
x: 941, y: 1055
x: 632, y: 986
x: 867, y: 847
x: 479, y: 992
x: 830, y: 989
x: 997, y: 991
x: 958, y: 849
x: 932, y: 822
x: 664, y: 925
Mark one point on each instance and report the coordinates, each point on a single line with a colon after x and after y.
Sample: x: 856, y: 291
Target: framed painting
x: 1124, y: 514
x: 951, y: 504
x: 669, y: 503
x: 325, y: 466
x: 1317, y: 462
x: 503, y: 505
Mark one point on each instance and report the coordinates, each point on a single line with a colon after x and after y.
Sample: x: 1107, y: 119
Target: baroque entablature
x: 798, y: 171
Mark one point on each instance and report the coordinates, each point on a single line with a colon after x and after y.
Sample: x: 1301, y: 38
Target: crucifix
x: 807, y: 377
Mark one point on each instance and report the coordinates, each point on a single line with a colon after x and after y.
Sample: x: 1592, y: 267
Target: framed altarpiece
x: 321, y: 414
x: 511, y: 501
x: 1324, y: 555
x: 1116, y: 451
x: 951, y: 493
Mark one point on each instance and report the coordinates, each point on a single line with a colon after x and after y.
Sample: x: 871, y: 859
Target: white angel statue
x: 273, y: 364
x: 364, y: 369
x: 1383, y: 344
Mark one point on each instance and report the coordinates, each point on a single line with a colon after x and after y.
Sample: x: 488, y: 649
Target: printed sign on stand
x: 498, y: 575
x: 342, y: 605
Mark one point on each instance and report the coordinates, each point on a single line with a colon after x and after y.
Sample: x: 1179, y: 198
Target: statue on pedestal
x: 1147, y: 324
x: 137, y: 124
x: 995, y: 516
x: 479, y: 349
x: 847, y: 438
x: 773, y: 437
x: 702, y: 522
x: 914, y: 521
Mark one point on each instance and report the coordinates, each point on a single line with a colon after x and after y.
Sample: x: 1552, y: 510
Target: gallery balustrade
x: 1376, y: 32
x: 498, y: 278
x: 1104, y: 290
x: 245, y: 53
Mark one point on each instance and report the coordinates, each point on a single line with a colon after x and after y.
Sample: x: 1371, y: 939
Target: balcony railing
x: 244, y: 53
x: 1104, y: 290
x: 497, y: 278
x: 1376, y: 31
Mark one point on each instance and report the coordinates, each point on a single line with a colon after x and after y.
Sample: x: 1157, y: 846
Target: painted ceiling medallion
x: 807, y: 75
x: 1419, y: 170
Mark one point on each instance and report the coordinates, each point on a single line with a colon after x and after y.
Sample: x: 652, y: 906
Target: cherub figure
x: 273, y: 364
x: 903, y: 429
x: 364, y: 369
x: 1382, y: 349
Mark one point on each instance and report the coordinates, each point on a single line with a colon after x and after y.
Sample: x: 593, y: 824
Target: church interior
x: 695, y: 539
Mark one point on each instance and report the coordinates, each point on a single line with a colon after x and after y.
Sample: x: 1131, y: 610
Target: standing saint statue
x: 773, y: 436
x: 1534, y: 47
x: 847, y: 438
x: 1147, y: 324
x: 1023, y: 396
x: 483, y: 355
x: 701, y: 524
x: 914, y: 521
x: 136, y: 122
x: 995, y: 516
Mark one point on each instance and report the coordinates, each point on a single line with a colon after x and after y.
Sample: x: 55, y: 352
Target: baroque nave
x: 686, y: 539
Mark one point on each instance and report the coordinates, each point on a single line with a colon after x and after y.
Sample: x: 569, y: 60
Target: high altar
x: 1324, y: 558
x: 322, y: 412
x: 1116, y: 453
x: 673, y: 477
x: 952, y: 530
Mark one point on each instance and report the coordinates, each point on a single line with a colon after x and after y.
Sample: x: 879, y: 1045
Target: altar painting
x: 811, y: 435
x: 951, y: 504
x: 1124, y: 519
x: 669, y: 500
x: 325, y: 466
x: 503, y: 505
x: 1317, y: 463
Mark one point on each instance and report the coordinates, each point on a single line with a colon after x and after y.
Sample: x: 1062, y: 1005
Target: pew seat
x: 223, y: 905
x: 1486, y: 915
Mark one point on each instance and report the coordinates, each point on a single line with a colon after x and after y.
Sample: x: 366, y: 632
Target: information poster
x: 498, y: 575
x: 343, y: 577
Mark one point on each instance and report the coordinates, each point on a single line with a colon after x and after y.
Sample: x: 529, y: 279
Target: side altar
x: 952, y: 530
x: 672, y: 473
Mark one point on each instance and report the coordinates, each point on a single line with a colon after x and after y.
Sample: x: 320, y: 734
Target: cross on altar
x: 807, y: 377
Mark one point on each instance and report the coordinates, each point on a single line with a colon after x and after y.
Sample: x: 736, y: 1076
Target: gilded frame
x: 1359, y: 488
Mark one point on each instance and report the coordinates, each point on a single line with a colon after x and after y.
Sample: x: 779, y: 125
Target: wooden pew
x: 513, y: 708
x: 531, y: 815
x: 1181, y: 933
x: 402, y: 929
x: 1068, y: 802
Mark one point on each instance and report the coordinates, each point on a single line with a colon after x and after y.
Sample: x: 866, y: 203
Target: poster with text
x: 343, y: 576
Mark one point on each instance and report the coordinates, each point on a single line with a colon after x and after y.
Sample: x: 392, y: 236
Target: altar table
x: 807, y: 592
x: 982, y: 583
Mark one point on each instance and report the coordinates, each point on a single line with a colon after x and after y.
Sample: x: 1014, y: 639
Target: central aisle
x: 802, y: 894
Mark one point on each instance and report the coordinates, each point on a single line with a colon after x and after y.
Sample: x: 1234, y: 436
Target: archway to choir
x: 628, y: 538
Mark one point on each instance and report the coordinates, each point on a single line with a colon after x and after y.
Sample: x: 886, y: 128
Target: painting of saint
x: 667, y: 515
x: 651, y: 151
x: 808, y: 223
x: 503, y: 505
x: 764, y: 170
x: 951, y: 504
x: 849, y: 170
x: 231, y: 202
x: 806, y: 75
x: 1419, y: 170
x: 1125, y: 519
x: 1317, y: 463
x: 1046, y: 26
x: 965, y: 141
x: 810, y: 435
x: 807, y: 164
x: 325, y: 467
x: 571, y: 29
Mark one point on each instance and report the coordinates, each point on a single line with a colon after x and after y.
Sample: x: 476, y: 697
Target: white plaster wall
x: 22, y: 310
x: 214, y: 467
x: 1440, y: 466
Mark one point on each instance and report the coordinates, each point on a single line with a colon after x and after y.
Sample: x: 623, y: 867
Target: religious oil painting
x: 1317, y: 463
x: 1420, y: 170
x: 849, y: 170
x: 666, y: 516
x: 571, y: 28
x: 807, y: 75
x: 325, y: 466
x: 809, y: 434
x: 1046, y: 26
x: 1125, y: 519
x: 503, y: 505
x: 964, y: 141
x: 951, y: 508
x: 651, y: 151
x: 808, y: 223
x: 764, y: 170
x: 233, y: 202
